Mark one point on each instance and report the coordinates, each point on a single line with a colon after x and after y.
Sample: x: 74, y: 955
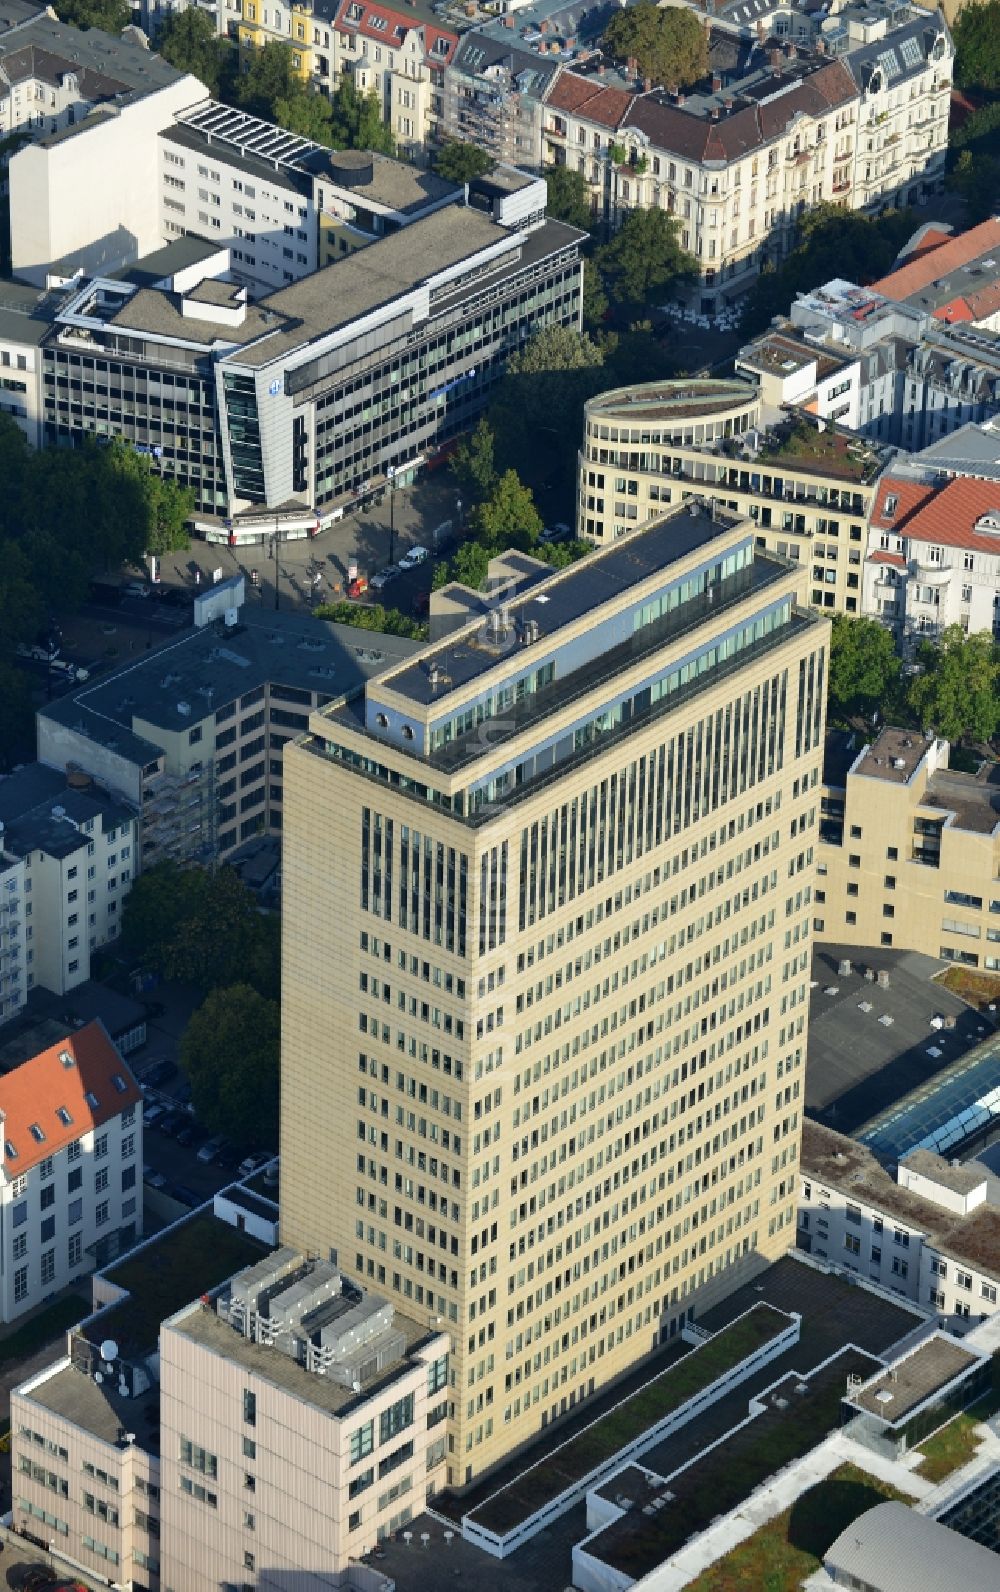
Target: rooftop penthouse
x: 562, y: 661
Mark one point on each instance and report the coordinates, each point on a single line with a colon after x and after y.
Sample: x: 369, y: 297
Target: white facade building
x: 13, y: 970
x: 79, y: 852
x: 70, y: 1170
x: 930, y: 1236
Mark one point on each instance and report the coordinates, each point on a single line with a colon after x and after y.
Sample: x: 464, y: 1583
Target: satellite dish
x: 98, y: 1376
x: 109, y: 1349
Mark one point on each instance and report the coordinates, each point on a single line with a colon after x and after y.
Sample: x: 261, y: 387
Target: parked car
x: 381, y: 580
x: 152, y: 1111
x: 211, y: 1150
x: 136, y: 588
x: 154, y: 1179
x: 560, y: 532
x: 250, y: 1163
x: 416, y: 555
x: 358, y: 586
x: 74, y: 672
x: 189, y: 1134
x: 158, y: 1073
x: 38, y: 1575
x: 36, y: 653
x: 171, y: 1123
x: 186, y: 1196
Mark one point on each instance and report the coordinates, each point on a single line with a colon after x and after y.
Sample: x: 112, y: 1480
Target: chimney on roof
x: 761, y: 31
x: 632, y: 66
x: 791, y: 50
x: 776, y: 58
x: 714, y: 113
x: 716, y: 84
x: 647, y: 84
x: 819, y: 45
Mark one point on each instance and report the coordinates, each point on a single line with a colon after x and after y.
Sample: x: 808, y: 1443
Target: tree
x: 269, y: 77
x: 17, y: 717
x: 460, y: 162
x: 153, y: 509
x: 645, y: 255
x: 595, y: 300
x: 976, y: 32
x: 473, y: 464
x: 508, y: 517
x: 189, y: 42
x: 569, y: 197
x: 670, y: 46
x: 832, y: 243
x: 111, y: 16
x: 469, y: 564
x: 976, y: 178
x: 555, y: 348
x: 958, y: 692
x: 204, y: 928
x: 356, y: 120
x: 307, y: 113
x: 864, y: 666
x: 372, y: 616
x: 229, y: 1054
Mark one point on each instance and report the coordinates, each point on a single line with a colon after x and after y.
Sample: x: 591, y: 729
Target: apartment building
x: 284, y: 205
x: 857, y: 115
x: 559, y: 1141
x: 91, y: 103
x: 290, y: 24
x: 282, y: 413
x: 70, y: 1176
x: 809, y: 492
x: 928, y: 1233
x: 78, y: 851
x: 933, y: 555
x: 494, y: 93
x: 303, y: 1421
x: 190, y: 738
x: 13, y: 970
x: 399, y: 55
x: 24, y: 322
x: 908, y: 854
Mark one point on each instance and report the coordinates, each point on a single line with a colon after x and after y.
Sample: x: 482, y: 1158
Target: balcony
x: 842, y: 187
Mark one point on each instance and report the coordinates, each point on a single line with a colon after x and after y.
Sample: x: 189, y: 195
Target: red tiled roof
x: 924, y: 240
x: 397, y: 26
x: 882, y: 557
x: 977, y: 306
x: 89, y: 1088
x: 909, y: 495
x: 928, y: 268
x: 584, y: 96
x: 950, y: 513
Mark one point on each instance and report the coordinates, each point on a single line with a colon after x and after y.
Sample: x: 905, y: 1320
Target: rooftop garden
x: 605, y: 1437
x: 780, y: 1556
x: 723, y: 1478
x: 176, y: 1269
x: 803, y: 444
x: 955, y: 1444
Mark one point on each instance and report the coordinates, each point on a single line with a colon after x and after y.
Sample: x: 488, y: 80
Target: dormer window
x: 891, y: 504
x: 64, y: 1116
x: 36, y: 1133
x: 119, y: 1082
x: 11, y: 1149
x: 92, y: 1100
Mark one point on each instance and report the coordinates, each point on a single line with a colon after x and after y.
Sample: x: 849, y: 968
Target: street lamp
x: 390, y: 475
x: 273, y: 551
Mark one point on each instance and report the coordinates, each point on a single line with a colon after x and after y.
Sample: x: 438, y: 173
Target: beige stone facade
x: 547, y: 919
x: 910, y: 854
x: 808, y: 492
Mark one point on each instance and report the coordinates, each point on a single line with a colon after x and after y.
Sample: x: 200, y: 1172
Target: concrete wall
x: 52, y: 230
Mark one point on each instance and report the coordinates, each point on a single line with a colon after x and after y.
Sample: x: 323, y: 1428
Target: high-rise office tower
x: 546, y: 935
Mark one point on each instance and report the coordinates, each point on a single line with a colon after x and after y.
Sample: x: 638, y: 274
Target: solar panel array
x: 248, y: 134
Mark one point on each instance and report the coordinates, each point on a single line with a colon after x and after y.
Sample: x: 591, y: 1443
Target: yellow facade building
x: 547, y: 918
x: 808, y: 491
x: 262, y: 21
x: 909, y: 855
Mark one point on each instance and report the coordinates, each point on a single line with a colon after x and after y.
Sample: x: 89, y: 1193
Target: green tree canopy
x: 555, y: 348
x: 188, y: 40
x: 460, y: 162
x: 111, y: 16
x: 832, y: 242
x: 595, y: 300
x: 308, y: 113
x: 372, y: 616
x: 205, y: 928
x: 537, y: 410
x: 645, y: 257
x: 268, y: 78
x: 670, y: 45
x: 473, y: 463
x: 468, y: 564
x: 568, y: 197
x: 357, y: 120
x: 864, y: 666
x: 508, y: 517
x: 229, y: 1054
x: 958, y: 692
x: 976, y: 32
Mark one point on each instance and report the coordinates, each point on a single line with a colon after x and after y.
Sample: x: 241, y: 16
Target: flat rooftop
x: 206, y: 670
x: 203, y: 1326
x: 973, y: 798
x: 960, y: 1101
x: 833, y: 1160
x: 857, y: 1066
x: 161, y: 264
x: 903, y: 1386
x: 570, y: 594
x: 894, y: 756
x: 669, y: 400
x: 191, y: 1258
x: 72, y: 1393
